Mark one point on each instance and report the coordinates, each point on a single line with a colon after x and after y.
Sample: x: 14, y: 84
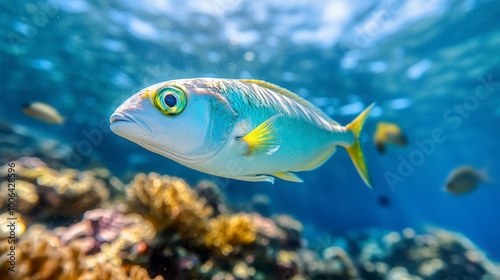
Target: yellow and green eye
x: 170, y: 100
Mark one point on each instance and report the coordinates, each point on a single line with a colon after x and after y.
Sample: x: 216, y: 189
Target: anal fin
x: 256, y: 178
x: 288, y: 176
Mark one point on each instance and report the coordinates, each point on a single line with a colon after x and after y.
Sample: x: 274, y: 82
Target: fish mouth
x: 135, y: 130
x: 127, y: 125
x: 119, y: 117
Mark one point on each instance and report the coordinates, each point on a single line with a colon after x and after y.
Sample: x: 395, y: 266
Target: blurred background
x: 432, y: 67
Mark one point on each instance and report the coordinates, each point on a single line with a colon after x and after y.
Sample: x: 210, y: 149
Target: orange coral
x: 45, y: 191
x: 41, y: 255
x: 26, y: 199
x: 169, y: 202
x: 227, y: 231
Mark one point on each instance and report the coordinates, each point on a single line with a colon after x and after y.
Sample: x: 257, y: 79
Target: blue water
x: 420, y: 61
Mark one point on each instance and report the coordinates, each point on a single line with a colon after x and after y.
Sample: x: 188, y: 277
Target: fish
x: 384, y: 201
x: 465, y: 179
x: 388, y: 133
x: 241, y: 129
x: 43, y: 112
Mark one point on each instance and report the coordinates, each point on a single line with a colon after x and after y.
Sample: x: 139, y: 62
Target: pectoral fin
x: 264, y: 137
x: 288, y: 176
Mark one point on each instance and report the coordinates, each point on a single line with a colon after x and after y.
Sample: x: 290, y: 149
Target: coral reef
x: 169, y: 202
x: 107, y: 271
x: 167, y: 230
x: 5, y: 228
x: 110, y: 234
x: 268, y: 233
x: 292, y: 229
x: 438, y: 254
x: 42, y: 255
x: 227, y: 231
x: 46, y: 192
x: 211, y: 193
x: 338, y: 263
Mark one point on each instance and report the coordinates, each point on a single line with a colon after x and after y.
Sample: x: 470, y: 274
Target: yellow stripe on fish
x: 242, y: 129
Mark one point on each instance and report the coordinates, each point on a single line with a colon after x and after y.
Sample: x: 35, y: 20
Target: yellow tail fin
x: 355, y: 151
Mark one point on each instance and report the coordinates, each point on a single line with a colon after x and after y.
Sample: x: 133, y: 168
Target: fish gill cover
x: 432, y: 67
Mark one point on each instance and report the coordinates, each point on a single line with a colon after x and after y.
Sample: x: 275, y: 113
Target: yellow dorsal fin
x: 263, y: 137
x: 288, y: 176
x: 292, y: 96
x: 355, y: 151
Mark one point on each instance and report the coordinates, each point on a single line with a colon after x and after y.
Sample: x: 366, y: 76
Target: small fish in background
x: 43, y: 112
x: 464, y: 179
x: 388, y: 133
x: 384, y: 201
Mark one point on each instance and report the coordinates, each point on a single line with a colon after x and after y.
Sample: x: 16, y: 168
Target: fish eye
x: 170, y: 100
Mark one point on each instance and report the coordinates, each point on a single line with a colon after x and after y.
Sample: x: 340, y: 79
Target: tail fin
x: 483, y: 174
x: 355, y: 151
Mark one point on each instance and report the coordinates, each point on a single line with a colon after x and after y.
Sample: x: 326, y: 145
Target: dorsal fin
x: 292, y: 96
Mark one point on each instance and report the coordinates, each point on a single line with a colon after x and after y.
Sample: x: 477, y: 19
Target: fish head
x: 184, y: 121
x: 452, y: 187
